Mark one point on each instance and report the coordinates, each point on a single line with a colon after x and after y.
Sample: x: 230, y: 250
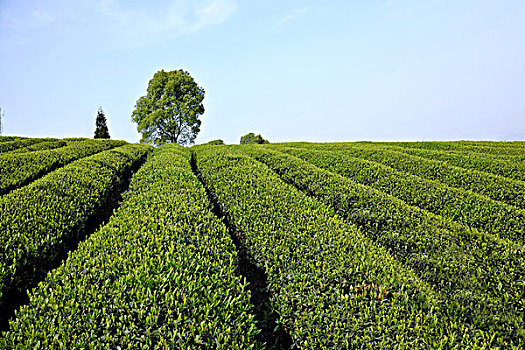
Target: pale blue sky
x: 291, y: 70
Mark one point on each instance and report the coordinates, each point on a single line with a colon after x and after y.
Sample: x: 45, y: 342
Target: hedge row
x: 38, y: 222
x: 493, y: 186
x: 477, y: 270
x: 19, y: 169
x: 507, y: 168
x: 15, y: 144
x: 332, y: 286
x: 9, y: 138
x: 459, y: 205
x: 75, y: 139
x: 487, y: 150
x: 41, y: 146
x: 160, y: 274
x: 494, y: 143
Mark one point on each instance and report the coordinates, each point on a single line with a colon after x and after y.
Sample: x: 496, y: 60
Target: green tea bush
x: 332, y: 286
x: 476, y: 270
x: 459, y: 205
x: 41, y: 146
x: 37, y: 222
x: 19, y: 169
x: 509, y: 168
x: 17, y: 143
x: 490, y: 149
x: 161, y: 274
x: 493, y: 186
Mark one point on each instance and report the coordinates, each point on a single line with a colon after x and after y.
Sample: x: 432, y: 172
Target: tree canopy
x: 170, y: 111
x: 216, y: 142
x: 252, y: 138
x: 101, y: 129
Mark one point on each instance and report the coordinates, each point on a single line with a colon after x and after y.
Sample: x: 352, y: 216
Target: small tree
x: 101, y: 130
x: 252, y: 138
x: 170, y: 111
x: 216, y: 142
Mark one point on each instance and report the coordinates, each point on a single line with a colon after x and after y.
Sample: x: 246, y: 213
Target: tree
x: 216, y: 142
x: 170, y: 111
x: 251, y: 138
x: 101, y: 130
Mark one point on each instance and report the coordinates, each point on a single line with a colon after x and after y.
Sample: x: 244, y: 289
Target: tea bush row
x: 503, y: 167
x: 18, y: 169
x: 332, y: 286
x: 9, y: 138
x: 160, y: 274
x: 41, y: 146
x: 493, y: 186
x: 459, y: 205
x: 39, y: 221
x: 17, y: 143
x: 479, y: 271
x: 489, y: 150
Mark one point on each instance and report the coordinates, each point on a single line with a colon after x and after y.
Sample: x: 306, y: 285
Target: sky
x: 311, y: 70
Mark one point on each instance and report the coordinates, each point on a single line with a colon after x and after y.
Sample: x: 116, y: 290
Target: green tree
x: 170, y: 111
x: 252, y: 138
x: 101, y: 130
x: 216, y: 142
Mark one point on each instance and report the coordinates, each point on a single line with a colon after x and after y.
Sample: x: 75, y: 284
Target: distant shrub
x: 252, y: 138
x: 216, y: 142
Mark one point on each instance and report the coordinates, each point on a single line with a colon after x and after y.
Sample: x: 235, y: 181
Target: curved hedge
x: 332, y: 286
x: 474, y: 269
x: 488, y: 150
x: 41, y: 146
x: 9, y: 138
x: 459, y: 205
x: 493, y: 186
x: 38, y: 222
x: 504, y: 167
x: 160, y: 274
x: 18, y: 143
x: 19, y: 169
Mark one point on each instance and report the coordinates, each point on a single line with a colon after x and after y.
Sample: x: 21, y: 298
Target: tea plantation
x: 400, y: 245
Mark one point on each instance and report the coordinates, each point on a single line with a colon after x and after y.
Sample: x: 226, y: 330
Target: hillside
x: 291, y: 245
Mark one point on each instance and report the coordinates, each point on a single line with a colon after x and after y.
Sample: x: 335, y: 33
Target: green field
x: 408, y: 245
